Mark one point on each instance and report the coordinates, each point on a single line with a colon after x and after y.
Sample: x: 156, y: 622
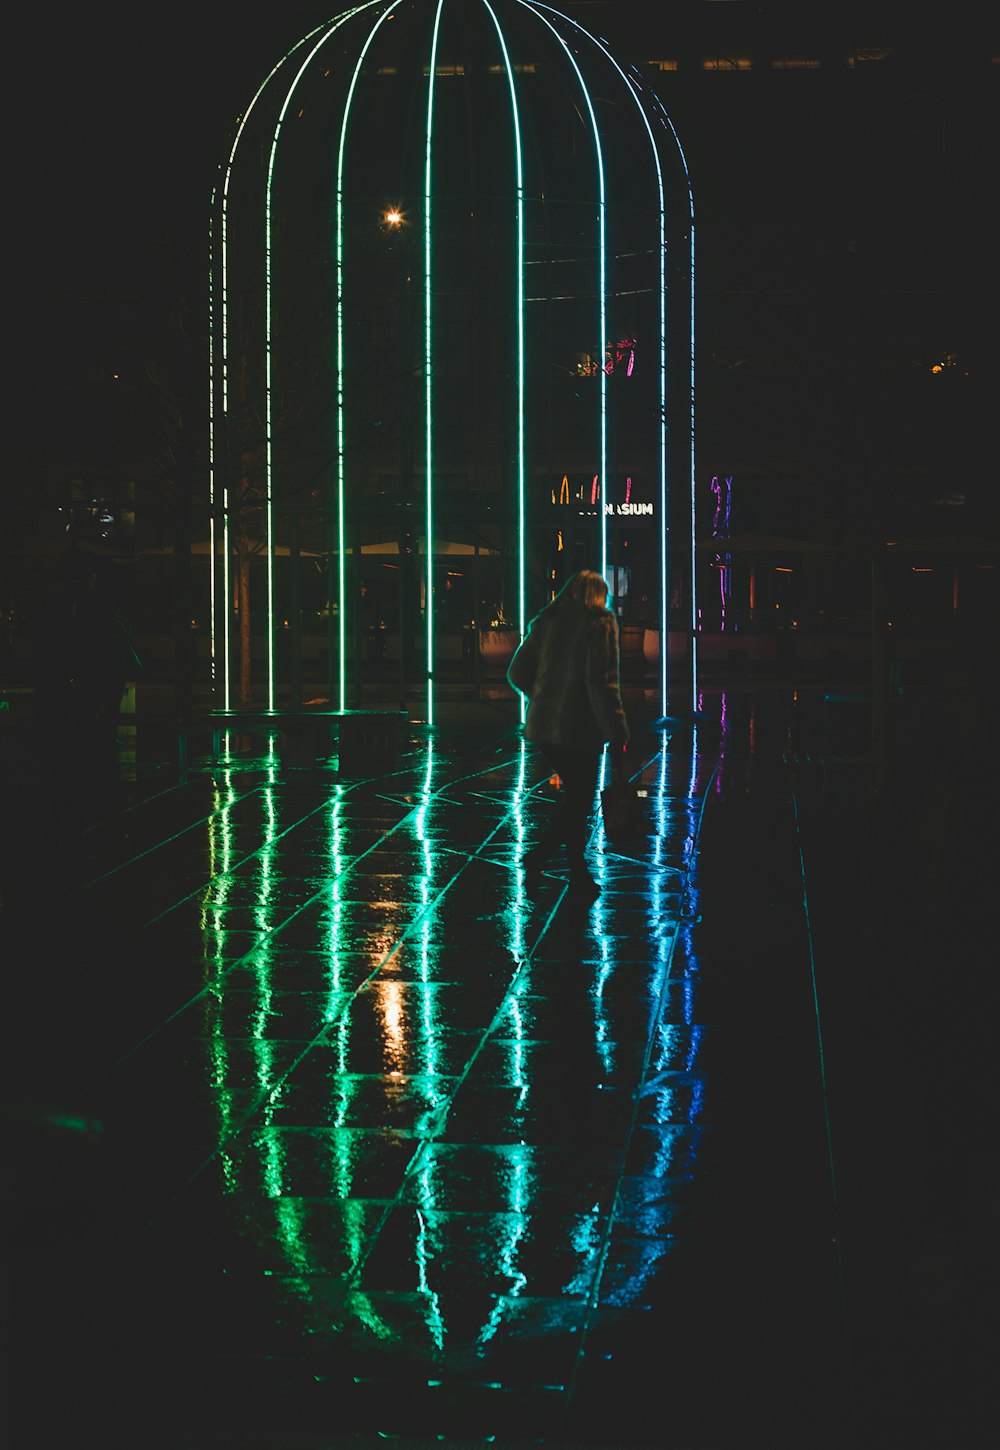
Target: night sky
x: 123, y: 121
x: 122, y: 114
x: 122, y: 110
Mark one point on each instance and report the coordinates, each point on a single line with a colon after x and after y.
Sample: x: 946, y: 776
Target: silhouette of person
x: 567, y: 666
x: 83, y: 658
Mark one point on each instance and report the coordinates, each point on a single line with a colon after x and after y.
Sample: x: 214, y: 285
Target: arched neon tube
x: 219, y: 384
x: 662, y: 254
x: 219, y: 418
x: 219, y: 413
x: 341, y: 456
x: 268, y: 399
x: 601, y: 280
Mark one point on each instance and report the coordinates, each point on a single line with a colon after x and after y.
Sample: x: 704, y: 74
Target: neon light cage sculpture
x: 451, y: 345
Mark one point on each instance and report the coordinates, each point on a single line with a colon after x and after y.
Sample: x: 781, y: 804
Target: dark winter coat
x: 567, y: 665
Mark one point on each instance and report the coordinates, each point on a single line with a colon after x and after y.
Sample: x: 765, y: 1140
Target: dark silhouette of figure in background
x: 567, y: 666
x: 83, y: 659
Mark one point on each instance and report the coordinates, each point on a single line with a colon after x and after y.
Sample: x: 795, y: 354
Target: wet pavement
x: 324, y: 1131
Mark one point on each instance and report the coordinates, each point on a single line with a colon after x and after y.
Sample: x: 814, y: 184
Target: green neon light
x: 218, y: 421
x: 259, y: 1165
x: 519, y: 284
x: 335, y: 908
x: 662, y: 251
x: 664, y: 529
x: 219, y: 371
x: 428, y: 889
x: 268, y: 430
x: 341, y: 457
x: 215, y: 428
x: 601, y: 282
x: 218, y: 424
x: 268, y: 434
x: 428, y: 391
x: 212, y: 445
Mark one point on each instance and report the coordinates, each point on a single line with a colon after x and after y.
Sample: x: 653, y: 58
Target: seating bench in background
x: 359, y: 738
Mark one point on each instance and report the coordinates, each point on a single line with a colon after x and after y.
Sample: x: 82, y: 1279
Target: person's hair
x: 587, y: 588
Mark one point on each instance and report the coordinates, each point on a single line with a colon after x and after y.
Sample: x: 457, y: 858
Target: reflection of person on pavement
x: 83, y: 658
x: 567, y: 665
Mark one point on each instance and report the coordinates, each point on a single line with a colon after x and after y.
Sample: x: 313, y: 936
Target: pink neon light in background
x: 720, y: 530
x: 619, y: 353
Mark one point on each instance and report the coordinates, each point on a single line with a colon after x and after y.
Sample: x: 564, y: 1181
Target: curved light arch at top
x: 341, y: 412
x: 218, y: 424
x: 602, y: 271
x: 569, y: 37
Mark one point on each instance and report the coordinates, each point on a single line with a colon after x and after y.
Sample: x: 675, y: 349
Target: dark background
x: 845, y: 242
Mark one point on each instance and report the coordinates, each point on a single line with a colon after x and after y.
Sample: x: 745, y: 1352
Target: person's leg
x: 580, y: 786
x: 577, y: 771
x: 551, y: 838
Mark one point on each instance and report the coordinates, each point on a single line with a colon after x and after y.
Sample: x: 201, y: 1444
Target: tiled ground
x: 324, y: 1132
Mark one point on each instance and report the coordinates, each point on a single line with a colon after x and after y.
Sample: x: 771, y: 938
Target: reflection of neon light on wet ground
x: 409, y: 1067
x: 482, y: 1153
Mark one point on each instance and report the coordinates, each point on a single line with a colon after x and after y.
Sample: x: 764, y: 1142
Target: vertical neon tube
x: 341, y: 455
x: 519, y: 289
x: 602, y: 274
x: 268, y: 433
x: 664, y: 492
x: 268, y: 360
x: 694, y: 577
x: 213, y: 442
x: 218, y: 426
x: 662, y: 253
x: 664, y: 488
x: 218, y: 423
x: 219, y: 416
x: 662, y: 354
x: 691, y: 362
x: 428, y: 381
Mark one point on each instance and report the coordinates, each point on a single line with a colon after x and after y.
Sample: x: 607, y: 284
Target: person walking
x: 567, y: 667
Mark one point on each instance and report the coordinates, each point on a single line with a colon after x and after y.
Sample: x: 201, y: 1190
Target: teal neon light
x: 662, y: 349
x: 268, y: 400
x: 428, y: 384
x: 341, y: 455
x: 222, y: 633
x: 219, y: 417
x: 213, y: 645
x: 218, y: 424
x: 519, y: 287
x: 691, y: 361
x: 601, y: 281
